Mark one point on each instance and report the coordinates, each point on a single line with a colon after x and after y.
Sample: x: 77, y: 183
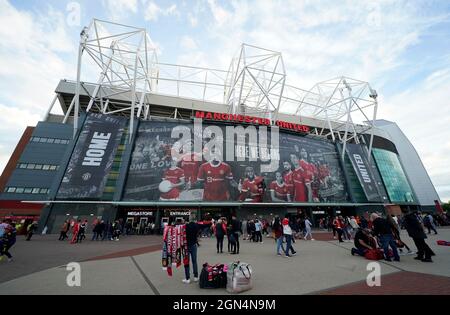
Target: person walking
x: 337, y: 226
x: 354, y: 226
x: 258, y: 229
x: 396, y: 232
x: 277, y: 230
x: 75, y: 231
x: 64, y: 229
x: 220, y: 229
x: 30, y: 230
x: 287, y: 233
x: 382, y: 229
x: 428, y: 221
x: 416, y: 232
x: 8, y: 240
x: 192, y: 231
x: 308, y: 226
x: 81, y: 232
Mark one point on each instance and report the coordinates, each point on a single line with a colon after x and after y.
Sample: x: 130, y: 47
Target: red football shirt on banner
x: 174, y: 176
x: 298, y: 180
x: 215, y: 177
x: 287, y: 178
x: 253, y: 189
x: 281, y: 191
x: 190, y: 166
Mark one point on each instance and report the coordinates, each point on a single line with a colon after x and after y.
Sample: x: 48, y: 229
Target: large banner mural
x: 303, y: 169
x: 92, y: 158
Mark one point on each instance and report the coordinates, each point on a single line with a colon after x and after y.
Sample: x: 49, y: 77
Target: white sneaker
x: 312, y: 239
x: 195, y: 279
x: 186, y: 281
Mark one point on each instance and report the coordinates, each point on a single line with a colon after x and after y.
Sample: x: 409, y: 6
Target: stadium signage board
x: 140, y: 213
x: 236, y: 118
x: 179, y: 213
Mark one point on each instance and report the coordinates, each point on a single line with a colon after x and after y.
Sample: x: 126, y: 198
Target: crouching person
x: 364, y: 241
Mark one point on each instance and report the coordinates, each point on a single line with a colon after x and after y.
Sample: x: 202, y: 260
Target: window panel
x: 35, y: 191
x: 19, y: 190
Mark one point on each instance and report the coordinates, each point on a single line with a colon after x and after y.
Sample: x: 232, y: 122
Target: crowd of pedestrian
x: 75, y: 231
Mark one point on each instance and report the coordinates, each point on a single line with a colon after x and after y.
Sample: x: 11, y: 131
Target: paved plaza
x: 133, y: 266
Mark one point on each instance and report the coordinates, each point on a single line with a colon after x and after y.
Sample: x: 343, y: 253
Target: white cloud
x: 193, y: 20
x: 423, y: 114
x: 153, y: 11
x: 188, y: 43
x: 118, y: 9
x: 36, y: 51
x: 13, y: 122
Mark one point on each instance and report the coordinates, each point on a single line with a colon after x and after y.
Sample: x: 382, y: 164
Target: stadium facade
x: 151, y: 142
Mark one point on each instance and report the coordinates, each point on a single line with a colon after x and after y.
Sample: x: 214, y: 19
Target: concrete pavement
x: 320, y: 266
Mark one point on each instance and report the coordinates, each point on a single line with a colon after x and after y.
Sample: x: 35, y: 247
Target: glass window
x: 393, y: 176
x: 27, y: 190
x: 36, y: 139
x: 31, y: 166
x: 35, y: 191
x: 46, y: 167
x: 53, y: 168
x: 19, y: 190
x: 43, y: 140
x: 50, y: 140
x: 38, y: 167
x: 11, y: 189
x: 22, y: 165
x: 57, y: 141
x: 43, y: 190
x: 64, y: 141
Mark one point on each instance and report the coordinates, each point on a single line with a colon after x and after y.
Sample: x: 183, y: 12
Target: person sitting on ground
x: 363, y: 242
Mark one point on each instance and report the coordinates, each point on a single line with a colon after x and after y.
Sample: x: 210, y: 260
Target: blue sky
x: 401, y: 47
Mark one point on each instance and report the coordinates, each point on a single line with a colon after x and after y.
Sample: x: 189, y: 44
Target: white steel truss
x: 255, y: 84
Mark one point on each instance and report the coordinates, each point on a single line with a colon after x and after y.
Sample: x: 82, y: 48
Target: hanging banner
x: 363, y: 170
x: 93, y: 156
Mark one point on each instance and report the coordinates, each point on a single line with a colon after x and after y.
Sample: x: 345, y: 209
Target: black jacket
x: 413, y: 226
x: 381, y: 226
x: 192, y: 230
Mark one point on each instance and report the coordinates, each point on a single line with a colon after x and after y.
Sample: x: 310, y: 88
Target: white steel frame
x: 255, y: 84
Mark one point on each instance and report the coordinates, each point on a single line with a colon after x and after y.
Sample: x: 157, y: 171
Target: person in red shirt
x: 175, y: 176
x: 253, y: 187
x: 308, y: 175
x: 279, y: 190
x: 287, y: 177
x: 190, y: 164
x: 298, y: 181
x: 216, y: 177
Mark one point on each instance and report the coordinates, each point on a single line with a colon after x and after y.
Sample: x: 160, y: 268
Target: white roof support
x: 255, y: 84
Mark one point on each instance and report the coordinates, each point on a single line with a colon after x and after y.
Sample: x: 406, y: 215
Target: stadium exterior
x: 111, y: 155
